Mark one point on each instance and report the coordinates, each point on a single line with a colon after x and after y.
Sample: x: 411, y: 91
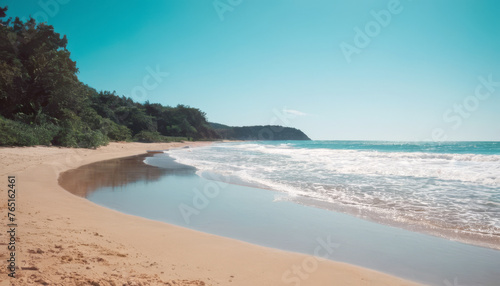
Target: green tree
x: 43, y: 102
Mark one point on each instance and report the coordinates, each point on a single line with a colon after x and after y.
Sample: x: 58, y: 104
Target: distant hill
x: 260, y: 132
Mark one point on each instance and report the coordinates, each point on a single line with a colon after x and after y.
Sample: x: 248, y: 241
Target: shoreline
x: 70, y: 240
x: 382, y: 216
x: 282, y: 224
x: 469, y: 238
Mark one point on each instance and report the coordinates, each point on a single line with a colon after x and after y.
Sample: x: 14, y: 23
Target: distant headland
x: 259, y: 132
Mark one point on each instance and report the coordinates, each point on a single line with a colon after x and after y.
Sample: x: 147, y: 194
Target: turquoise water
x: 447, y: 189
x: 484, y: 148
x: 256, y: 216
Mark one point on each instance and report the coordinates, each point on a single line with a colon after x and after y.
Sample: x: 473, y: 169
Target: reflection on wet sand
x: 111, y: 173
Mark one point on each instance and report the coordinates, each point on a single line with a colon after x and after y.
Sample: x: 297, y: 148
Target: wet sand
x: 65, y: 239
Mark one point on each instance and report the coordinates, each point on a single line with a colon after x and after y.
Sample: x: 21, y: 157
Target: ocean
x: 375, y: 203
x: 449, y: 189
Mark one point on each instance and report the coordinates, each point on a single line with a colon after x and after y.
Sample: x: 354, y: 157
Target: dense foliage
x: 42, y: 102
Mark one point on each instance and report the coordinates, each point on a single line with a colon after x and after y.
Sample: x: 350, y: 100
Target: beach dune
x: 63, y: 239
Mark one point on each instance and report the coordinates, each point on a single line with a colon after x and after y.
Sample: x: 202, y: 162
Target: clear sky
x: 368, y: 70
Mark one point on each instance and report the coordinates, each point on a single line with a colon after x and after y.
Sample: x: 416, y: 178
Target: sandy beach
x: 63, y: 239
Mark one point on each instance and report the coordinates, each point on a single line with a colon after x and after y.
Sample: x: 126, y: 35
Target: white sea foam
x: 460, y: 191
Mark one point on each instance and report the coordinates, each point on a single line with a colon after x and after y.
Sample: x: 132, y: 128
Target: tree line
x: 42, y: 101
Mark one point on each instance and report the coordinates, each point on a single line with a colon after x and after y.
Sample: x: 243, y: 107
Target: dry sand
x: 63, y: 239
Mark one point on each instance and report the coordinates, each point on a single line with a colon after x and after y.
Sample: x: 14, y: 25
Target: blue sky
x: 411, y: 73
